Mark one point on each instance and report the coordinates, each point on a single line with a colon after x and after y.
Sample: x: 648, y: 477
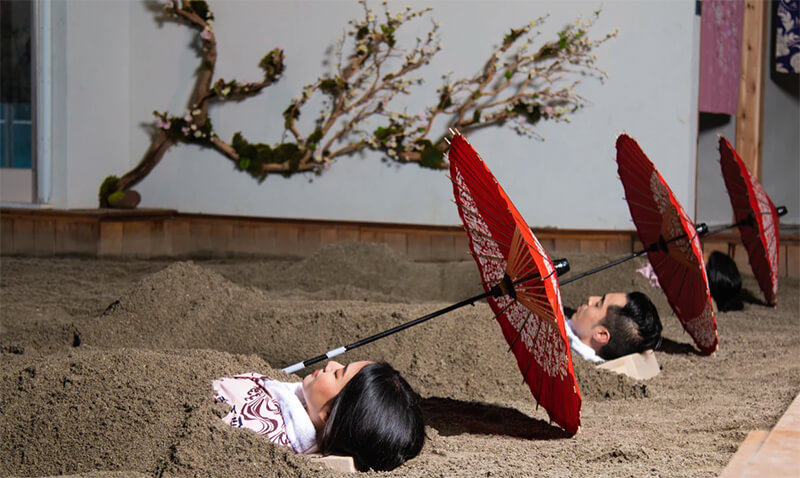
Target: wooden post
x: 750, y: 117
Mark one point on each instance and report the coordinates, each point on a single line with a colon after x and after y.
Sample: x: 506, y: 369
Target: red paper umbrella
x: 757, y: 219
x: 530, y: 312
x: 672, y: 243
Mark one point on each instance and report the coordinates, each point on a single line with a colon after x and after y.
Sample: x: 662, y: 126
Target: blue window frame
x: 16, y: 84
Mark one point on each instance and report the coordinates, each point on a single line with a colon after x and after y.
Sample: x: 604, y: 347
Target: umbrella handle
x: 561, y: 266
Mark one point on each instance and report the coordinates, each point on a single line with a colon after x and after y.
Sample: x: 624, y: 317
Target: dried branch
x: 517, y: 85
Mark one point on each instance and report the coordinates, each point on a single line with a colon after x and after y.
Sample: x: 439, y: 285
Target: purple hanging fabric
x: 720, y: 55
x: 787, y: 36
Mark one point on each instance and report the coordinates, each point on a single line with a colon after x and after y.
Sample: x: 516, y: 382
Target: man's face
x: 590, y: 314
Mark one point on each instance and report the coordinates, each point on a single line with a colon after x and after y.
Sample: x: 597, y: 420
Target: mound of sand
x: 106, y: 367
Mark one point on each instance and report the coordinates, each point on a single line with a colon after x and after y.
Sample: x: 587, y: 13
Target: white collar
x: 581, y: 348
x: 299, y: 429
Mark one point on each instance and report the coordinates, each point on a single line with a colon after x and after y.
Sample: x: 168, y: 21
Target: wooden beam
x: 750, y: 117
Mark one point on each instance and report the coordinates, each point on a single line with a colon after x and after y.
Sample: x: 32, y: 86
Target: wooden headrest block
x: 343, y: 464
x: 638, y: 366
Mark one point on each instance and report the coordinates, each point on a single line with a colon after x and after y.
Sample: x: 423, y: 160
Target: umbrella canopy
x: 530, y: 312
x: 672, y: 242
x: 757, y: 219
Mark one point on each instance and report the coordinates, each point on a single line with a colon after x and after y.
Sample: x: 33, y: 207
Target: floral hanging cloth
x: 787, y: 36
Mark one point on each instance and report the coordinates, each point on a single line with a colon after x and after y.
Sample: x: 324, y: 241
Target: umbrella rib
x: 644, y: 206
x: 488, y: 257
x: 467, y: 192
x: 648, y: 191
x: 504, y: 309
x: 476, y: 215
x: 641, y: 167
x: 486, y: 236
x: 519, y: 331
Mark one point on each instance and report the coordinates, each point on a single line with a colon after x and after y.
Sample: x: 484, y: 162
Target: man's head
x: 618, y: 324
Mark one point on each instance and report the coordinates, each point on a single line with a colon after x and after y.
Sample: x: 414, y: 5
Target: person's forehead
x: 615, y: 298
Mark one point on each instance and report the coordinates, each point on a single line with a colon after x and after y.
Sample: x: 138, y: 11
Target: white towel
x: 301, y: 431
x: 268, y: 407
x: 581, y: 348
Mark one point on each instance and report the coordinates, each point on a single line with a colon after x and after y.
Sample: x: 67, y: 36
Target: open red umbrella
x: 530, y: 312
x: 757, y: 219
x: 671, y: 241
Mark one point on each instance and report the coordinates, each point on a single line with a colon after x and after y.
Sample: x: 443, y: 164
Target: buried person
x: 365, y: 410
x: 614, y: 325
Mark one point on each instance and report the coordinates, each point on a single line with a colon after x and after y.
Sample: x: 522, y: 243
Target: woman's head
x: 724, y: 281
x: 376, y: 419
x: 321, y: 387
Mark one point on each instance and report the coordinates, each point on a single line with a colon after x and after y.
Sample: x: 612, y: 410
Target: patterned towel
x: 268, y: 407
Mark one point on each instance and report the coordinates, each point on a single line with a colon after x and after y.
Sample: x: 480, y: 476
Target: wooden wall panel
x: 6, y: 235
x: 245, y: 239
x: 792, y: 260
x: 180, y: 233
x: 287, y: 240
x: 146, y: 233
x: 110, y: 239
x: 23, y: 241
x: 161, y: 238
x: 44, y: 237
x: 419, y: 247
x: 750, y: 118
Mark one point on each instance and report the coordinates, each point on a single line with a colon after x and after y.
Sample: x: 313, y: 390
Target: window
x: 17, y: 99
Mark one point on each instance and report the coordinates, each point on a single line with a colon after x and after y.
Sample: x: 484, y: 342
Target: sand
x: 107, y: 368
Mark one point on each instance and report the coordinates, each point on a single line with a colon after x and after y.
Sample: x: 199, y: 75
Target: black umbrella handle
x: 661, y: 245
x: 561, y: 267
x: 750, y: 220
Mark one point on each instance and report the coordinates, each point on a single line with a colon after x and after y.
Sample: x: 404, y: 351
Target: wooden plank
x: 619, y: 246
x: 23, y: 236
x: 397, y: 241
x: 750, y: 117
x: 44, y: 237
x: 244, y: 239
x: 87, y: 237
x: 746, y: 450
x: 181, y: 237
x: 329, y: 235
x: 287, y: 240
x: 310, y: 239
x: 110, y: 243
x: 443, y: 248
x: 461, y: 243
x: 6, y: 234
x: 136, y: 238
x: 221, y: 238
x: 268, y: 239
x: 563, y: 246
x: 349, y: 234
x: 593, y: 246
x: 419, y: 247
x: 369, y: 235
x: 200, y: 242
x: 792, y: 260
x: 161, y: 238
x: 777, y: 456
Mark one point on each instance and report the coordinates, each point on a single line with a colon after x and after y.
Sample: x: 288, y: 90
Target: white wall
x: 120, y: 65
x: 780, y: 168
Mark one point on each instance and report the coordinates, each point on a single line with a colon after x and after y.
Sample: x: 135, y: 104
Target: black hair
x: 634, y: 328
x: 376, y: 419
x: 724, y: 281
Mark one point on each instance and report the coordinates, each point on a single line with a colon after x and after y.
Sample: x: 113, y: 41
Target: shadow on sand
x: 454, y: 417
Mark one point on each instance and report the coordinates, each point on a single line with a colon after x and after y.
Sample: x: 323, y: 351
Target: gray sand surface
x: 107, y: 366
